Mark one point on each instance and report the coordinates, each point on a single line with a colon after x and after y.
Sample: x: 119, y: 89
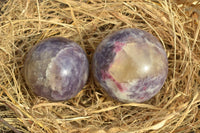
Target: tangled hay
x: 174, y: 109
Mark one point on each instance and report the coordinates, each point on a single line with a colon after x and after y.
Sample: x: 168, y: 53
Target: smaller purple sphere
x: 131, y: 65
x: 56, y: 68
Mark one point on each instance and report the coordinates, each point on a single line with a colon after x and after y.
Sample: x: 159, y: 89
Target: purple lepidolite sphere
x: 131, y: 65
x: 56, y: 68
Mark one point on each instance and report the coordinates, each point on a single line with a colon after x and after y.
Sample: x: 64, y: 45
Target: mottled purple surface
x: 131, y: 65
x: 56, y: 68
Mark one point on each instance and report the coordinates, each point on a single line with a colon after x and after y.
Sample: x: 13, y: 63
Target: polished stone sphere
x: 56, y: 68
x: 131, y: 65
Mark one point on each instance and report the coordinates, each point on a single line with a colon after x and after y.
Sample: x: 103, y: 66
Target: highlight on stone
x: 131, y: 65
x: 56, y: 68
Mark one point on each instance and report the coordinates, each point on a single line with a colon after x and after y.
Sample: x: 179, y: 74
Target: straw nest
x: 174, y: 109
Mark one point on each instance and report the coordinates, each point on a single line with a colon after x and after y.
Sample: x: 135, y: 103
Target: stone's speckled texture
x: 131, y: 65
x: 56, y: 68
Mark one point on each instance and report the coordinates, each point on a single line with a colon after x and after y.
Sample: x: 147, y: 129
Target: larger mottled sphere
x: 131, y: 65
x: 56, y: 68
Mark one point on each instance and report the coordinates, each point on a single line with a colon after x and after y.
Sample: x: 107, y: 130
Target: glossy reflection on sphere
x: 131, y: 65
x: 56, y: 68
